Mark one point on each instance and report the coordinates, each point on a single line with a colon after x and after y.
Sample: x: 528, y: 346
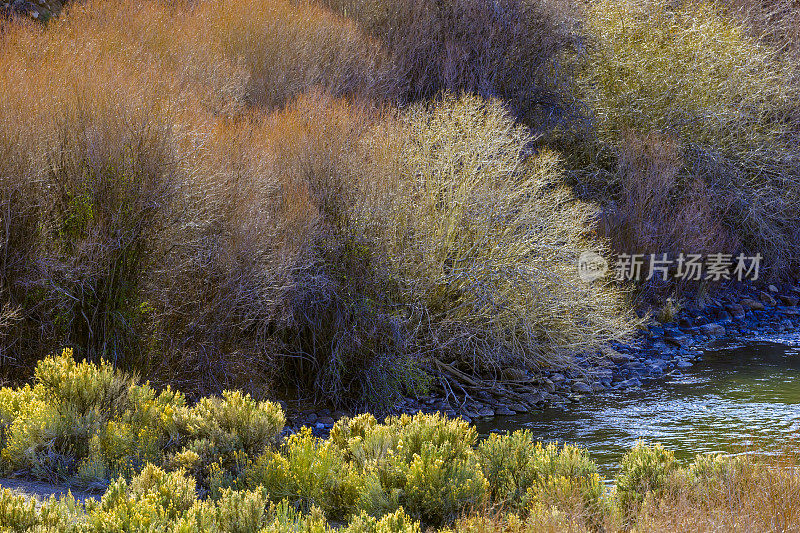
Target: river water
x: 741, y: 398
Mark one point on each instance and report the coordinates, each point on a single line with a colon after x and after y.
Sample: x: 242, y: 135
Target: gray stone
x: 581, y: 387
x: 502, y: 410
x: 766, y: 299
x: 753, y: 304
x: 678, y: 339
x: 789, y: 301
x: 712, y: 330
x: 485, y: 412
x: 633, y: 382
x: 683, y: 364
x: 518, y: 407
x: 736, y: 310
x: 773, y: 288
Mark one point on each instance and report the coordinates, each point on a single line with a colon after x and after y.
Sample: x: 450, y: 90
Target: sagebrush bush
x: 644, y: 469
x: 526, y: 475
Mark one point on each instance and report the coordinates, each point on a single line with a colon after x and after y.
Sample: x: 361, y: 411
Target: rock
x: 712, y: 330
x: 326, y: 421
x: 679, y: 340
x: 766, y: 299
x: 581, y: 387
x: 311, y: 418
x: 549, y: 386
x: 628, y: 383
x: 773, y: 288
x: 518, y: 407
x: 683, y: 364
x: 535, y: 399
x: 736, y: 310
x: 485, y: 412
x: 753, y: 304
x: 557, y: 378
x: 789, y: 301
x: 502, y: 410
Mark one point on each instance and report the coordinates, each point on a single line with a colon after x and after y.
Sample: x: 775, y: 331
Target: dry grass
x: 755, y: 496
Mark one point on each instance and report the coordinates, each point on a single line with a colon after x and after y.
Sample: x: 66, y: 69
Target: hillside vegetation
x: 330, y: 197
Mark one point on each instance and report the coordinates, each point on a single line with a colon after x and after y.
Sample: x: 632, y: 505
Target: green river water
x: 742, y: 398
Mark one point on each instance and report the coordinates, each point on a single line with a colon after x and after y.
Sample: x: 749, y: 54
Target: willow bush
x: 694, y: 75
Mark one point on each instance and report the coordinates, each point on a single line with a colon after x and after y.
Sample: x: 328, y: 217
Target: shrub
x: 237, y: 422
x: 505, y: 49
x: 525, y: 474
x: 397, y: 522
x: 644, y: 469
x: 287, y: 49
x: 424, y: 463
x: 732, y: 124
x: 486, y: 238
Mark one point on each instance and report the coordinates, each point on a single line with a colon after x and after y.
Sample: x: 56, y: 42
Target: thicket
x: 335, y: 197
x: 694, y: 140
x: 207, y: 194
x: 222, y: 464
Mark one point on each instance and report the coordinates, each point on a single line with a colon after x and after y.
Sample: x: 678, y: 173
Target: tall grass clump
x: 694, y: 75
x: 286, y: 49
x: 508, y: 49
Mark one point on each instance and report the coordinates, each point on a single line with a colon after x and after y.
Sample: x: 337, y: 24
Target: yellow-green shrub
x: 152, y: 499
x: 236, y: 422
x: 485, y: 237
x: 522, y: 473
x: 396, y: 522
x: 424, y: 463
x: 644, y: 469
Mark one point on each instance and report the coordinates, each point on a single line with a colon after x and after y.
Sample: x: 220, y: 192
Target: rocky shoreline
x: 658, y: 351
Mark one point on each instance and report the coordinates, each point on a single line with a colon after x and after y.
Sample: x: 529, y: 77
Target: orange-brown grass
x: 753, y: 496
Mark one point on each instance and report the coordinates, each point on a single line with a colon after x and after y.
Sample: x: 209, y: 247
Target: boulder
x: 712, y: 330
x: 789, y: 301
x: 736, y: 310
x: 753, y: 304
x: 766, y: 299
x: 581, y: 387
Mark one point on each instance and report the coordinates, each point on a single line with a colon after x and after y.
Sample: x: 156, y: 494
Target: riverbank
x: 660, y: 350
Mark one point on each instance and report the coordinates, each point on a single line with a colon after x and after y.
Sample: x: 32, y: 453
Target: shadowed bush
x: 693, y: 74
x: 508, y: 49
